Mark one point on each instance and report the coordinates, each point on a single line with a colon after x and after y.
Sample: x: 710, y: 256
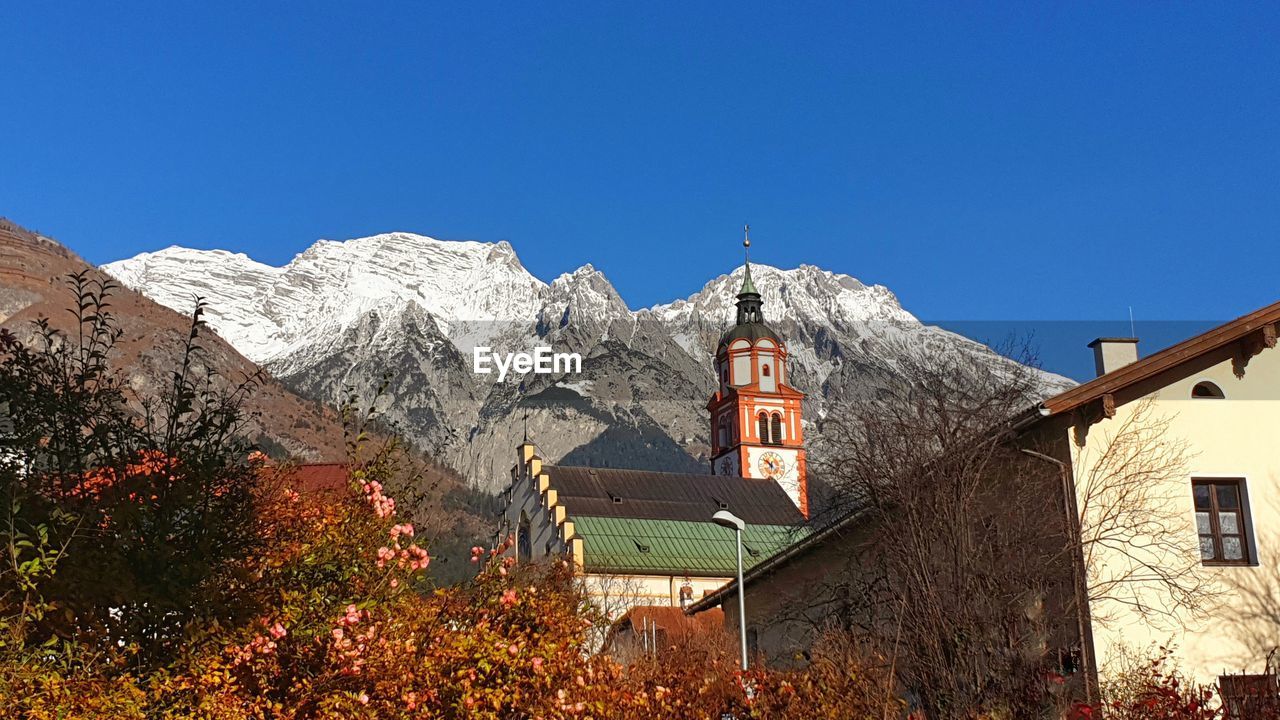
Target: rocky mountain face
x: 404, y: 312
x: 33, y: 269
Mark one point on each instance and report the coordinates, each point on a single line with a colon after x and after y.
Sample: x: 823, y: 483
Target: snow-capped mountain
x: 267, y: 312
x: 409, y: 308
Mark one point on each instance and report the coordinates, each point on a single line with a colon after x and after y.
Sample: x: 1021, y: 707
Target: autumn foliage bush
x: 346, y: 626
x: 356, y: 632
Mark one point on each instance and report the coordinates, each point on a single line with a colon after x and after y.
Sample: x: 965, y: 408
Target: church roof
x: 648, y: 495
x: 749, y: 331
x: 630, y: 545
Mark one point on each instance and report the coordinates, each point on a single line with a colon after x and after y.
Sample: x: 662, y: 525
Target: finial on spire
x: 747, y: 285
x: 526, y: 426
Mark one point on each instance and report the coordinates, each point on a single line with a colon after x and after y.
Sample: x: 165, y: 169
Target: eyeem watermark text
x: 541, y: 361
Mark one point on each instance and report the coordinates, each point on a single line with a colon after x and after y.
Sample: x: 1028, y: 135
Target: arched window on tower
x: 776, y: 435
x: 765, y: 370
x: 764, y: 427
x: 723, y: 433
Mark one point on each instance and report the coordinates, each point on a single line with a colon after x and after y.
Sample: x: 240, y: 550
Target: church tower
x: 755, y: 414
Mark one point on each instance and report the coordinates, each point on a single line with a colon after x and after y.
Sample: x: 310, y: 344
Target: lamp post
x: 724, y: 518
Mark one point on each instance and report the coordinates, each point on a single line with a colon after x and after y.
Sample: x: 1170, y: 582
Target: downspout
x: 1077, y: 570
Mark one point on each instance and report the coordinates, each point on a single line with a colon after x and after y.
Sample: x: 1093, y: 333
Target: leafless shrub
x: 961, y: 577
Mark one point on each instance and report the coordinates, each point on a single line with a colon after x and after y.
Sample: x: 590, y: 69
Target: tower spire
x: 748, y: 287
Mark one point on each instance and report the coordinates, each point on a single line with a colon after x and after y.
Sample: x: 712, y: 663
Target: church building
x: 641, y: 537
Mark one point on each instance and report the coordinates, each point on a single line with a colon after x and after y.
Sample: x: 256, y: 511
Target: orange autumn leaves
x: 93, y: 484
x: 353, y: 628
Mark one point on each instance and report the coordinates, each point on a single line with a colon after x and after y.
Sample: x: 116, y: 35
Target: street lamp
x: 724, y: 518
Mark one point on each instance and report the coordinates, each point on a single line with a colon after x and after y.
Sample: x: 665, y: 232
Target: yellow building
x: 1207, y: 414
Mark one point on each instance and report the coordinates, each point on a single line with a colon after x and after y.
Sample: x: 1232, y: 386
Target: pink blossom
x: 509, y: 598
x: 385, y: 554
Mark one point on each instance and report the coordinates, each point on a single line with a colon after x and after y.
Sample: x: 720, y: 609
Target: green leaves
x: 125, y: 508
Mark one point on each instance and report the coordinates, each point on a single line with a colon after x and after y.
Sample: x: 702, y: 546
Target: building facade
x: 1215, y: 399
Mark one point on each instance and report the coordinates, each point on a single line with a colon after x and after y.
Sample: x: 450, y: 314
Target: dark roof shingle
x: 642, y: 494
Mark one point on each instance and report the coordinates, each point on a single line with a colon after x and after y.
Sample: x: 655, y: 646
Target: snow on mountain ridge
x: 231, y: 282
x: 267, y: 310
x: 478, y: 292
x: 801, y: 291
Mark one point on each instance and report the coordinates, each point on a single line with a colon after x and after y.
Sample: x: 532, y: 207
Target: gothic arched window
x: 764, y: 427
x: 524, y: 539
x: 776, y: 435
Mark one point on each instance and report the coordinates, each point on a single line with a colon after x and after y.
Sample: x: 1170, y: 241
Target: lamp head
x: 724, y: 518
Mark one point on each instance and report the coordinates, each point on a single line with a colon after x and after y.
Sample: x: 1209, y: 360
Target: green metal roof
x: 612, y: 544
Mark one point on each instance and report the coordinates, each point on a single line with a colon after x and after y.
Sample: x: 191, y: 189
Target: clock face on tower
x: 772, y: 465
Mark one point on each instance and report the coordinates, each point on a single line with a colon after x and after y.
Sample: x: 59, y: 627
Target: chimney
x: 1111, y: 353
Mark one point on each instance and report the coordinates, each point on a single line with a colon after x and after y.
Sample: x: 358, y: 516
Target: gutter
x: 1029, y: 417
x: 1083, y: 625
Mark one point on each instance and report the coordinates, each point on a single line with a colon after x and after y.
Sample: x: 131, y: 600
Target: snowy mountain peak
x: 478, y: 293
x: 264, y: 310
x: 804, y: 292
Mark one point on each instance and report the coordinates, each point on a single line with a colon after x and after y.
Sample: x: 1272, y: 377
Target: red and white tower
x: 755, y: 414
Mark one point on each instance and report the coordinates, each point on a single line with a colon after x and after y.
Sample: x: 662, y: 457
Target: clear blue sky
x: 1003, y: 161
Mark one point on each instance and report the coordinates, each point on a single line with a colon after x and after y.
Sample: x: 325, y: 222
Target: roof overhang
x: 1254, y: 332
